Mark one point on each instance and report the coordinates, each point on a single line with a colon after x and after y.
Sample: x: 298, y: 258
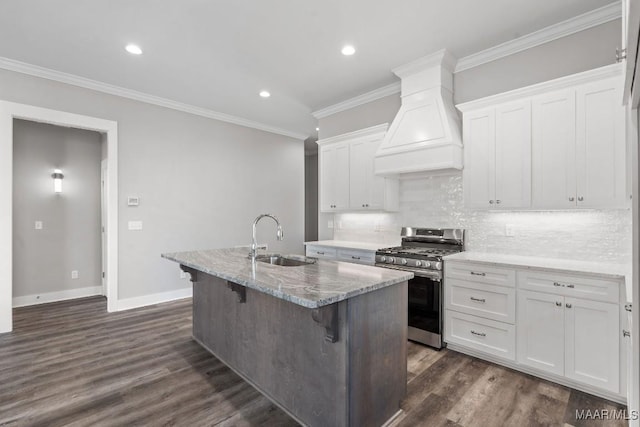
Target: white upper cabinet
x: 553, y: 150
x: 555, y: 145
x: 497, y: 157
x: 334, y: 175
x: 347, y: 179
x: 600, y: 145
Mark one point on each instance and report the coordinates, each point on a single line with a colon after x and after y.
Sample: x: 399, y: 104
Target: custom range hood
x: 425, y: 134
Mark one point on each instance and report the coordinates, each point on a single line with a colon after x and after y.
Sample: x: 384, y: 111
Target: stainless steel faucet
x: 254, y: 243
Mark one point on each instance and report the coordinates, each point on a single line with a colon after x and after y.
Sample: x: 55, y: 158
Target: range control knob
x: 438, y: 266
x: 391, y: 260
x: 403, y: 261
x: 383, y: 258
x: 418, y: 263
x: 427, y: 264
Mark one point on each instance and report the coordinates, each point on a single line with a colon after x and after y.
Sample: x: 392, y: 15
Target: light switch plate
x: 74, y: 274
x: 133, y: 201
x: 38, y: 225
x: 135, y: 225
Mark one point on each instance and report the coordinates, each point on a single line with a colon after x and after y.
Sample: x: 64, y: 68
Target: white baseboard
x: 129, y: 303
x: 46, y: 297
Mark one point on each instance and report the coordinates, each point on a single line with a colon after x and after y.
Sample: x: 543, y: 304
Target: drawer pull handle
x: 558, y: 284
x: 568, y: 305
x: 571, y: 286
x: 558, y: 303
x: 478, y: 299
x: 626, y: 333
x: 480, y: 334
x: 473, y: 273
x: 320, y: 253
x: 355, y: 257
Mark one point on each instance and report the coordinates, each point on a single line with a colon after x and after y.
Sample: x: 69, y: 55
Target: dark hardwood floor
x: 73, y: 364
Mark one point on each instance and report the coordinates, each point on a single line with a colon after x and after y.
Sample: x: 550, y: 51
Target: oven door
x: 425, y: 310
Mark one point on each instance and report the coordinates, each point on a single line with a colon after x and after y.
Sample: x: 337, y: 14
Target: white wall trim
x: 72, y: 79
x: 553, y: 32
x: 358, y: 100
x: 360, y: 133
x: 576, y: 24
x: 613, y: 70
x: 145, y: 300
x: 47, y: 297
x: 10, y: 111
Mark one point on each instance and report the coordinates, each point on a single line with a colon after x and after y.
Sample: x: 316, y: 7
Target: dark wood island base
x: 343, y: 364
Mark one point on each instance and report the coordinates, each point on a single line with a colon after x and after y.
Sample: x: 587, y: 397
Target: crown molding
x: 377, y: 130
x: 74, y: 80
x: 441, y: 58
x: 608, y: 71
x: 553, y: 32
x: 358, y: 100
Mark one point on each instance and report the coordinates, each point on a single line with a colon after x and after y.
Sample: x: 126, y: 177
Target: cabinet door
x: 513, y: 155
x: 553, y: 144
x: 593, y: 343
x: 334, y: 178
x: 479, y: 159
x: 600, y: 145
x: 540, y: 333
x: 367, y: 189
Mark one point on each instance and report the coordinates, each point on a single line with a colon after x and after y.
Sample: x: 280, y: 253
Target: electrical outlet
x: 330, y: 224
x: 183, y: 275
x: 509, y: 230
x: 38, y: 225
x: 74, y: 274
x: 135, y: 225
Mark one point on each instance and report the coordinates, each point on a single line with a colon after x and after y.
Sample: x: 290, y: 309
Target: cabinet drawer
x: 321, y: 252
x: 480, y: 273
x: 488, y: 336
x: 356, y: 256
x: 489, y: 301
x: 570, y: 285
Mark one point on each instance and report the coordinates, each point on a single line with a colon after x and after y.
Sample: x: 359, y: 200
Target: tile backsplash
x: 436, y: 201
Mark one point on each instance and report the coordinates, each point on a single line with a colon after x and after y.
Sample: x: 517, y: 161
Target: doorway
x: 10, y: 111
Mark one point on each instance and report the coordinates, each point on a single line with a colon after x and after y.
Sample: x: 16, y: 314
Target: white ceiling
x: 219, y: 54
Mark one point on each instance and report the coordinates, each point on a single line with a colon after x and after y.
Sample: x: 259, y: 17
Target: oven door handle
x: 433, y: 275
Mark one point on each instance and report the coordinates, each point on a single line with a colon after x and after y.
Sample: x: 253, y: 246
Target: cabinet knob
x: 363, y: 205
x: 580, y: 198
x: 367, y: 205
x: 498, y: 202
x: 568, y: 305
x: 490, y: 202
x: 558, y: 303
x: 571, y: 199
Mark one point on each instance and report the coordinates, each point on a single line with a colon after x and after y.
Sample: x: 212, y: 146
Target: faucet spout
x: 254, y: 243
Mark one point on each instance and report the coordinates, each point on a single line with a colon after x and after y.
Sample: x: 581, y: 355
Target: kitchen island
x: 325, y: 341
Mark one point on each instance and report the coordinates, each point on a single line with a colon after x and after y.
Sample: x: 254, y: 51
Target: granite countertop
x: 600, y: 269
x: 313, y: 285
x: 343, y: 244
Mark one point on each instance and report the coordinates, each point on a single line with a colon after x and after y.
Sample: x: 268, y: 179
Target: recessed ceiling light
x: 317, y: 129
x: 133, y: 49
x: 265, y: 94
x: 348, y: 50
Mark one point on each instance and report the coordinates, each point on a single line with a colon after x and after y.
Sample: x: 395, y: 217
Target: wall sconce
x: 57, y: 181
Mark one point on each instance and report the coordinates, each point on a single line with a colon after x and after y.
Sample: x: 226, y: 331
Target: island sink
x: 284, y: 261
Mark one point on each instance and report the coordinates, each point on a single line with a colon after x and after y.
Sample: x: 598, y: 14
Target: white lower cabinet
x: 541, y: 331
x: 563, y: 327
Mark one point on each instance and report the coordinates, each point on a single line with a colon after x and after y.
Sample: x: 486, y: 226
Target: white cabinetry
x: 566, y: 327
x: 347, y: 179
x: 334, y: 170
x: 498, y: 157
x: 556, y: 145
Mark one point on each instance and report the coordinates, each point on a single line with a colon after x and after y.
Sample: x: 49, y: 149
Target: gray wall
x: 578, y: 52
x: 70, y: 238
x: 311, y: 196
x: 201, y: 181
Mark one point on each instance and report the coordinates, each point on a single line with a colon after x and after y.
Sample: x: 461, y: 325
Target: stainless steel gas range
x: 421, y: 253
